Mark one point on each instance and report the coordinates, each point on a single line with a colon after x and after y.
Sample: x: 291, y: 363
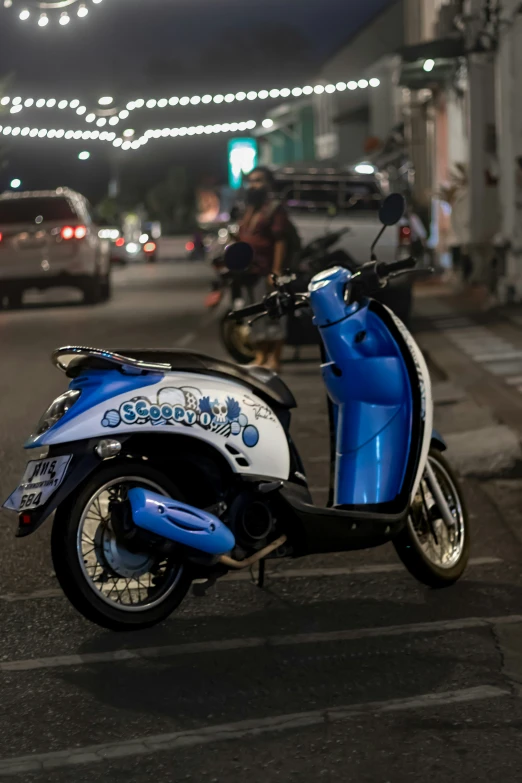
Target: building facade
x: 334, y: 128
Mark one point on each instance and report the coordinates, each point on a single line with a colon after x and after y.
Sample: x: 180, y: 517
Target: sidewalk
x: 470, y: 357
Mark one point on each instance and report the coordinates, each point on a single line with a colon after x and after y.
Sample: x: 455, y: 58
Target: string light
x: 128, y: 141
x: 195, y: 100
x: 56, y: 5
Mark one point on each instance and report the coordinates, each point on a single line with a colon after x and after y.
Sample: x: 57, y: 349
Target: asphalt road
x: 343, y: 668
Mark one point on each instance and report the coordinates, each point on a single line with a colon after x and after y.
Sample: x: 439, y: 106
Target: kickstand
x: 261, y: 574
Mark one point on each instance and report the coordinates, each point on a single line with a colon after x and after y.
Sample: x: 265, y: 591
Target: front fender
x: 84, y: 462
x: 438, y: 442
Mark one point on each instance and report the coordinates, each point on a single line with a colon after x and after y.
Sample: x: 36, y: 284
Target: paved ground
x: 343, y: 668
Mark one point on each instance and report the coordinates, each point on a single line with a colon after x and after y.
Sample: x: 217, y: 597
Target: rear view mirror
x: 238, y: 256
x: 392, y: 209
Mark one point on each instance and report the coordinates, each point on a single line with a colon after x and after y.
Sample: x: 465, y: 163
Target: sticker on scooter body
x: 185, y: 406
x: 41, y: 479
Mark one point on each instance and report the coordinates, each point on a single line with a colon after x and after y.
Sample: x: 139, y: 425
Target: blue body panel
x: 96, y: 386
x: 178, y: 522
x: 368, y: 383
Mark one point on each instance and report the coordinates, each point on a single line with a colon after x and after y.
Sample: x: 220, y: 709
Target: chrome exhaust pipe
x: 229, y: 562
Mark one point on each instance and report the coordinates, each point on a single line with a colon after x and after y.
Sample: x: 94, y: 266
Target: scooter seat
x: 75, y: 360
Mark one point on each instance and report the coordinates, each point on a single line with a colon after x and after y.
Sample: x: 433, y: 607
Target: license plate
x: 41, y: 479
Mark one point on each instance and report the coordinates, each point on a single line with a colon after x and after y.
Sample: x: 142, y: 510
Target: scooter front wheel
x: 113, y: 584
x: 433, y: 552
x: 236, y: 339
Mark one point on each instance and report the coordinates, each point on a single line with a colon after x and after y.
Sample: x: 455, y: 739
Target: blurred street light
x: 15, y: 183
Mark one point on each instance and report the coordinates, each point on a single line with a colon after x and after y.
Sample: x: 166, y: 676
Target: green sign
x: 242, y: 158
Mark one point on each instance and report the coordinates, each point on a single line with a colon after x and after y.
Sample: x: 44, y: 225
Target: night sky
x: 144, y: 48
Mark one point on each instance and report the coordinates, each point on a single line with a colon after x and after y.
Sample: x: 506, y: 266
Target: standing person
x: 265, y: 226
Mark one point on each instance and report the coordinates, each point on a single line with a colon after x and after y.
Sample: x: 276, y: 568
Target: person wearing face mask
x: 265, y: 226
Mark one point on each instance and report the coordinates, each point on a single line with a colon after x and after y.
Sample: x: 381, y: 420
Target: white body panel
x: 218, y: 411
x: 424, y: 381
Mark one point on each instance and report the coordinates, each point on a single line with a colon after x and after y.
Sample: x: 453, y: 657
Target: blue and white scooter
x: 165, y: 467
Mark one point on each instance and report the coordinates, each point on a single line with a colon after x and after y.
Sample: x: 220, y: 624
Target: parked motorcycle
x: 164, y: 467
x: 313, y: 258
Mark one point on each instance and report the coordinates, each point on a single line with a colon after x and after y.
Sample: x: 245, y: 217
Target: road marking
x: 188, y: 338
x: 255, y: 642
x: 497, y: 355
x: 291, y: 573
x: 179, y: 740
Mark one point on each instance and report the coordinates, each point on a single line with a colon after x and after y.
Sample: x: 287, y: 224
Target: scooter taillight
x: 404, y: 235
x: 213, y: 299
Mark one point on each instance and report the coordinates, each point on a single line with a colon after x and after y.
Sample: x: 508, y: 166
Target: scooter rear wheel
x: 432, y: 553
x: 109, y: 584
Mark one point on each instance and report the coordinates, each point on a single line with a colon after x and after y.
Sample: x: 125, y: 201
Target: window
x: 27, y: 210
x: 345, y: 195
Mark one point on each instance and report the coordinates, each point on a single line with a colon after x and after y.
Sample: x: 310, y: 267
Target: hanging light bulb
x: 24, y: 14
x: 83, y: 10
x: 43, y: 20
x: 64, y: 18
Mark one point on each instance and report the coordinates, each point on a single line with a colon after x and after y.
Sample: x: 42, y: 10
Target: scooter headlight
x: 57, y: 410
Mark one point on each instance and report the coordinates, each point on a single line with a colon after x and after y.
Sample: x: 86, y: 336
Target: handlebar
x: 385, y: 270
x: 370, y: 277
x: 248, y: 312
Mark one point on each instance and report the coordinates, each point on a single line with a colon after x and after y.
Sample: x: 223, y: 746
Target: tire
x: 408, y: 542
x: 92, y: 289
x: 14, y: 296
x: 106, y: 288
x: 71, y: 564
x: 234, y: 342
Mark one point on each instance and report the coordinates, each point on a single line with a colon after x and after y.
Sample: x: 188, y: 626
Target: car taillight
x: 120, y: 242
x: 189, y: 246
x: 404, y: 235
x: 150, y: 247
x: 78, y: 232
x: 0, y: 236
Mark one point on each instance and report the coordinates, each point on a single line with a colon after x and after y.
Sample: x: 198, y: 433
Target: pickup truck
x: 324, y: 200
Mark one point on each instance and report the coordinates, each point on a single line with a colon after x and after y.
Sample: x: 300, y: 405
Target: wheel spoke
x: 130, y: 580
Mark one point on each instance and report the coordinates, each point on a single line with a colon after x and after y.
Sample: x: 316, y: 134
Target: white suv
x: 48, y: 239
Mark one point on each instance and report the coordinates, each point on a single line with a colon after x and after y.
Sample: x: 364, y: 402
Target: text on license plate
x: 41, y: 479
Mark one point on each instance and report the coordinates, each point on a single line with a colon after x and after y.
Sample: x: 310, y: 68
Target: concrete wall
x: 421, y: 19
x: 508, y: 74
x: 355, y: 115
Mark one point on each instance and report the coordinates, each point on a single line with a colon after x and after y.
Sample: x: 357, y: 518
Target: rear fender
x: 182, y: 458
x: 84, y: 462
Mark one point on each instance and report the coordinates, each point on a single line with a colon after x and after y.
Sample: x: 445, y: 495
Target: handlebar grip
x: 397, y: 266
